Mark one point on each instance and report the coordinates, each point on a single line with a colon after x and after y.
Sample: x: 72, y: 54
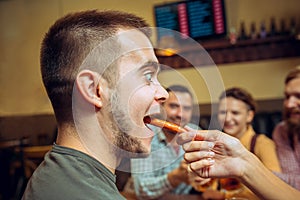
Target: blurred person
x: 214, y: 154
x: 235, y: 114
x: 286, y: 134
x: 165, y: 171
x: 100, y: 73
x: 236, y: 111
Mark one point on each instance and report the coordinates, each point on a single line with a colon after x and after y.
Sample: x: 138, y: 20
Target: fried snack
x: 169, y: 126
x: 164, y: 124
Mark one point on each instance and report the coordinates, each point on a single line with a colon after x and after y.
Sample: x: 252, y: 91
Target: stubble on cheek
x: 124, y: 143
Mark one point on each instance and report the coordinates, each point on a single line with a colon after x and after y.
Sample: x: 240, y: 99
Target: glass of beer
x: 231, y: 186
x: 201, y: 186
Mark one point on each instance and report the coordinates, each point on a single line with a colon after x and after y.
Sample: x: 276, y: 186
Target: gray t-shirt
x: 69, y: 174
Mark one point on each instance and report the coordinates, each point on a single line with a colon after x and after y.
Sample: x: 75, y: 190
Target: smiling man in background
x: 286, y: 134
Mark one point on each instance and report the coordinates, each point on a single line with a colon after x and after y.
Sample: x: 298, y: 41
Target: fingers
x: 202, y: 167
x: 201, y: 164
x: 199, y: 135
x: 201, y: 181
x: 195, y: 178
x: 185, y: 137
x: 197, y: 146
x: 183, y: 165
x: 198, y: 155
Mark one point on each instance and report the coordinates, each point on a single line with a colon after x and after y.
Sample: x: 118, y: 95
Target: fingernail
x: 211, y: 145
x: 210, y: 160
x: 191, y: 134
x: 211, y: 153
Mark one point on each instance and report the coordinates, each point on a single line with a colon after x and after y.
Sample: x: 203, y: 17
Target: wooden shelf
x: 222, y: 51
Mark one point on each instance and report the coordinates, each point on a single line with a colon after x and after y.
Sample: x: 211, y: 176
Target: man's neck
x: 68, y: 137
x: 169, y: 136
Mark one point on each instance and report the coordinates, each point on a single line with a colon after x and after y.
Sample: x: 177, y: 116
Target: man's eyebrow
x: 153, y: 64
x: 174, y: 104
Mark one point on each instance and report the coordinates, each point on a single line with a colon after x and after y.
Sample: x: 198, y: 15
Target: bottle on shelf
x: 283, y: 30
x: 232, y: 35
x: 263, y: 32
x: 293, y: 27
x: 253, y: 34
x: 273, y: 30
x: 243, y: 34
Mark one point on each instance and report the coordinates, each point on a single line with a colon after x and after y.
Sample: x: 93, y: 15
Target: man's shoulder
x: 280, y: 134
x: 280, y: 129
x: 67, y: 174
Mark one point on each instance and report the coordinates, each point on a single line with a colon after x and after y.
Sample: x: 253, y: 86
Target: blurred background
x: 258, y: 46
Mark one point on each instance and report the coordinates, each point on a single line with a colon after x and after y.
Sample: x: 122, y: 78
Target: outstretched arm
x: 220, y: 155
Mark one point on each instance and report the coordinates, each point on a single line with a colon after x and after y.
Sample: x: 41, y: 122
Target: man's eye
x: 235, y: 112
x: 222, y: 112
x: 286, y: 96
x: 149, y: 76
x: 173, y: 106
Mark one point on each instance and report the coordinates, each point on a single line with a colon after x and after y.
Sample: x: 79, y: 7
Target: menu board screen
x: 197, y: 19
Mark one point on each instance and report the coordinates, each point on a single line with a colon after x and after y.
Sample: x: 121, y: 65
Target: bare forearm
x: 291, y: 179
x: 231, y: 158
x: 264, y: 183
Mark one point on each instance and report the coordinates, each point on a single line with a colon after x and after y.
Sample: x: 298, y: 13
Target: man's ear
x: 88, y: 85
x: 250, y: 116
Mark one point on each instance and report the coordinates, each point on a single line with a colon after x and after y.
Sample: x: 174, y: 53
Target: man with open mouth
x: 100, y: 73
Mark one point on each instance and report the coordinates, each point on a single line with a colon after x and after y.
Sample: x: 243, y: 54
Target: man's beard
x: 125, y: 144
x: 293, y: 126
x: 294, y: 123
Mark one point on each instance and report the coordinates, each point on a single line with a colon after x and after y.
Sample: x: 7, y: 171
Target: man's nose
x: 228, y: 117
x: 179, y: 112
x: 292, y: 102
x: 161, y: 94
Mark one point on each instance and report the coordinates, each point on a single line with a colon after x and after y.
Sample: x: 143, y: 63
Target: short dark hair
x: 69, y: 41
x: 179, y: 88
x: 294, y: 73
x: 240, y: 94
